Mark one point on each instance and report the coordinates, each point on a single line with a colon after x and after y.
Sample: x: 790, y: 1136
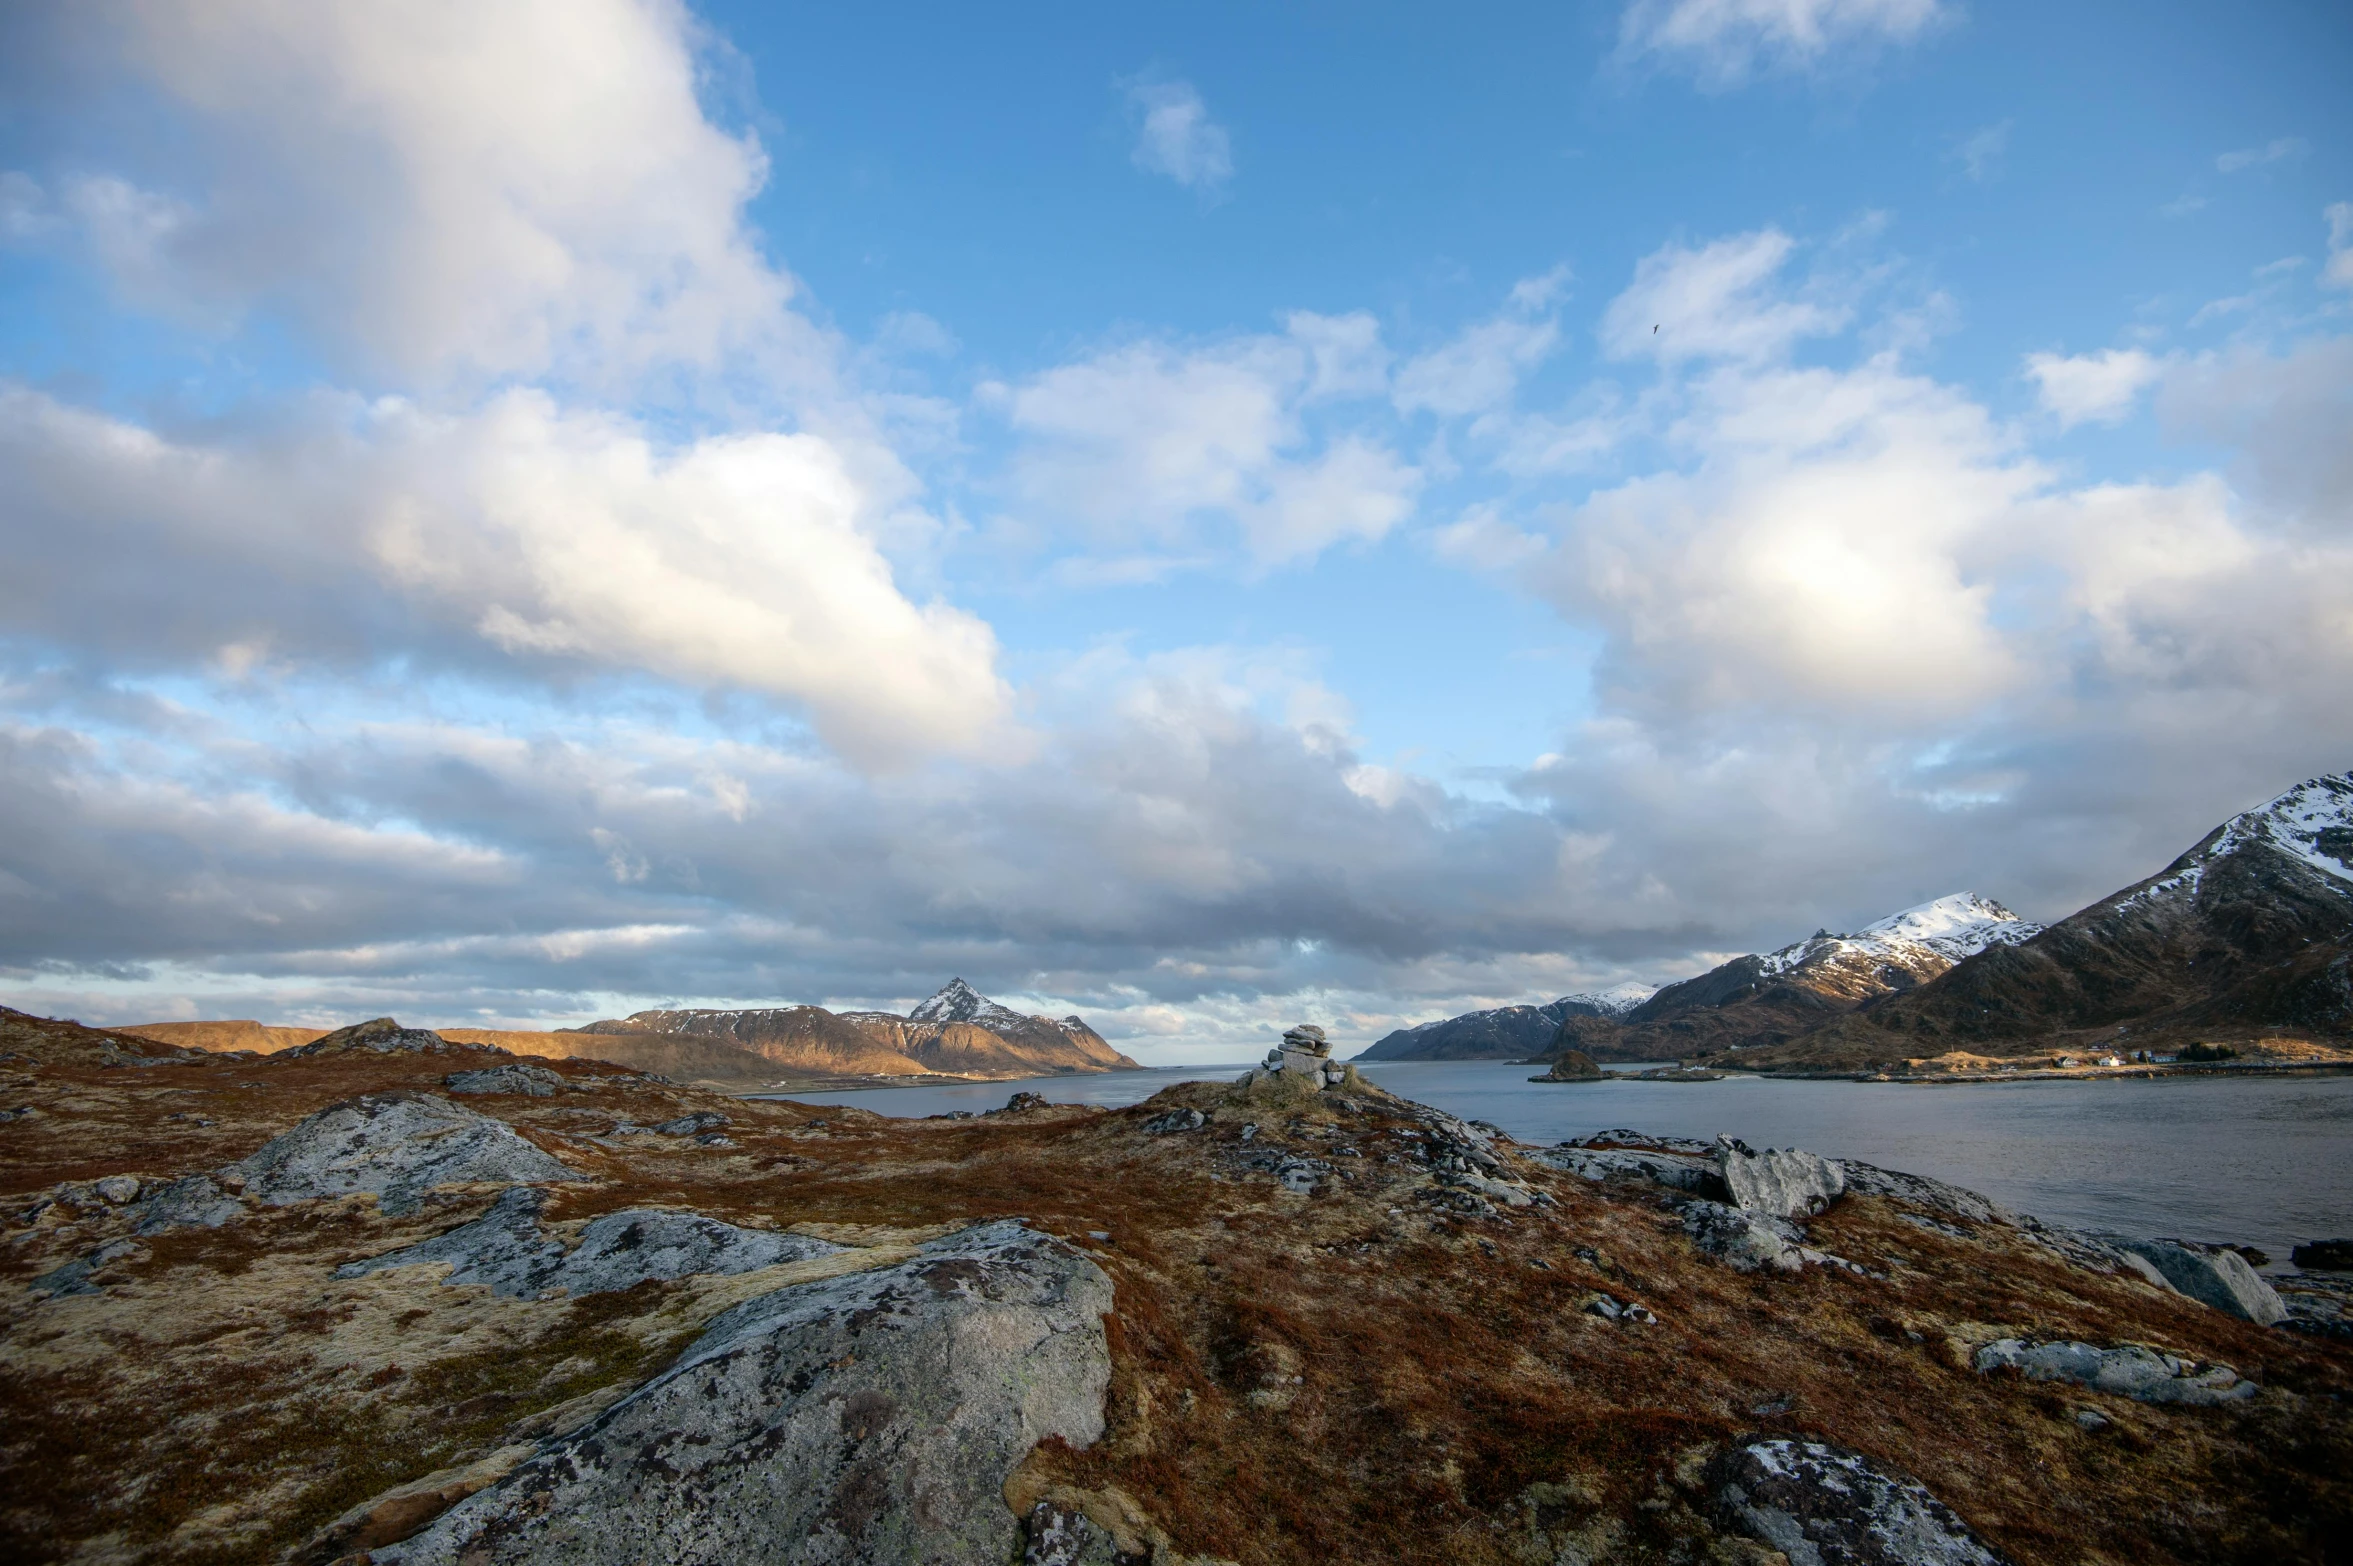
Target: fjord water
x: 2256, y: 1160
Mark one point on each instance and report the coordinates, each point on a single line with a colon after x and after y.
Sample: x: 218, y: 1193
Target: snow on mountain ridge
x: 1952, y: 927
x: 1615, y: 1001
x: 2312, y: 823
x: 958, y: 1001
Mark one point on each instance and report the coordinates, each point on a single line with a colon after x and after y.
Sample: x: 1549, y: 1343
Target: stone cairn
x: 1305, y: 1057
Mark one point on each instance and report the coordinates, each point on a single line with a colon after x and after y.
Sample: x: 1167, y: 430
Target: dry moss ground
x: 1353, y: 1375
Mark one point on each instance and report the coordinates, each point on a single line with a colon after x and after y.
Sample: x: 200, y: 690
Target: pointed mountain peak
x: 2312, y: 821
x: 956, y: 1001
x: 1957, y: 914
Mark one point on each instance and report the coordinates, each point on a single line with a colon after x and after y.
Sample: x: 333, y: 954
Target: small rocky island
x: 388, y: 1297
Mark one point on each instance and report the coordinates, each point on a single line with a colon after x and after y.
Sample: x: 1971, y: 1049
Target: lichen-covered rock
x: 870, y: 1418
x: 73, y: 1277
x: 1780, y: 1181
x: 535, y: 1081
x: 396, y: 1146
x: 1821, y: 1505
x: 2212, y: 1275
x: 1746, y: 1241
x: 695, y: 1124
x: 2143, y: 1374
x: 194, y: 1202
x: 507, y: 1249
x: 1175, y: 1120
x: 1064, y: 1536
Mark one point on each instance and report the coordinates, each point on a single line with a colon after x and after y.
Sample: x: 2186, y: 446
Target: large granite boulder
x: 865, y: 1420
x: 506, y: 1249
x: 2213, y: 1275
x: 195, y: 1201
x: 1745, y: 1241
x: 1780, y: 1181
x: 1821, y: 1505
x: 396, y: 1146
x: 2130, y: 1370
x: 531, y: 1081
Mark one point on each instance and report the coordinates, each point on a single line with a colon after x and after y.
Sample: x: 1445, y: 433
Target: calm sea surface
x: 2264, y: 1161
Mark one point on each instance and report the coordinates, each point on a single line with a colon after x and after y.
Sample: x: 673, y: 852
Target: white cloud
x: 2094, y: 388
x: 1716, y: 302
x: 521, y: 535
x: 1478, y: 370
x: 495, y: 190
x: 1176, y: 137
x: 2256, y: 157
x: 1980, y: 152
x: 1152, y: 441
x: 1725, y: 41
x: 2340, y: 245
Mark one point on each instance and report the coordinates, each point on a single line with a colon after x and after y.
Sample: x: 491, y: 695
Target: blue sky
x: 526, y: 511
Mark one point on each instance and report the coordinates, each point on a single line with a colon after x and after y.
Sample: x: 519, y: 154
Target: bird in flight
x: 1654, y: 331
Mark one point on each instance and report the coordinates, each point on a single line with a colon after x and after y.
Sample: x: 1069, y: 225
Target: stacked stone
x: 1305, y: 1056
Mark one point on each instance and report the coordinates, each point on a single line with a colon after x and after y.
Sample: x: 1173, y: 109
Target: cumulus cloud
x: 2340, y: 244
x: 1724, y: 42
x: 1176, y: 137
x: 489, y: 190
x: 519, y: 535
x: 2097, y: 388
x: 1153, y: 441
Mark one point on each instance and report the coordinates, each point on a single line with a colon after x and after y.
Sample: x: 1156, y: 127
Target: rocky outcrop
x: 196, y: 1201
x: 508, y: 1250
x: 2328, y: 1255
x: 395, y: 1146
x: 1822, y: 1505
x: 1745, y: 1241
x: 2143, y: 1374
x: 1572, y: 1065
x: 531, y: 1081
x: 871, y: 1418
x: 1780, y: 1181
x: 2212, y: 1275
x: 378, y: 1036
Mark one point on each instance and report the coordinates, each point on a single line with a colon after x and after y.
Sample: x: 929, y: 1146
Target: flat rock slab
x: 865, y: 1420
x: 2213, y: 1275
x: 396, y: 1146
x: 2143, y: 1374
x: 507, y: 1249
x: 1920, y: 1191
x: 1676, y: 1171
x: 1821, y: 1505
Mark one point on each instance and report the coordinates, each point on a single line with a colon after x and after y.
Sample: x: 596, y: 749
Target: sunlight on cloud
x: 1716, y: 302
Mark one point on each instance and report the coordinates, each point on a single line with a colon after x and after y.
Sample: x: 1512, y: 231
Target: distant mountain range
x: 2247, y: 936
x: 1505, y: 1032
x: 957, y: 1032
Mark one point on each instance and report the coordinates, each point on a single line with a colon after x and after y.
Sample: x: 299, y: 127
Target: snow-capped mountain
x: 1901, y: 949
x: 2248, y: 936
x: 958, y: 1001
x: 1615, y: 1001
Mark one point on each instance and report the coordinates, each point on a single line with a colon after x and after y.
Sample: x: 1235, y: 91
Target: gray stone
x: 1176, y: 1120
x: 1746, y: 1241
x: 114, y: 1190
x: 1299, y: 1175
x: 1821, y: 1505
x: 536, y: 1081
x: 2143, y: 1374
x: 1061, y: 1536
x: 696, y: 1124
x: 378, y: 1036
x: 1919, y: 1191
x: 1676, y: 1171
x: 1780, y: 1181
x: 507, y: 1249
x: 194, y: 1202
x: 74, y: 1277
x: 865, y: 1420
x: 2212, y: 1275
x: 396, y: 1146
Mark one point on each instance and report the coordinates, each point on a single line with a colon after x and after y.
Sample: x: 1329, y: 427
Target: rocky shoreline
x: 395, y: 1299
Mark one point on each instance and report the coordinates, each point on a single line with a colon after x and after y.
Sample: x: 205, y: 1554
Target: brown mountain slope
x: 243, y: 1033
x: 806, y: 1039
x: 682, y: 1058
